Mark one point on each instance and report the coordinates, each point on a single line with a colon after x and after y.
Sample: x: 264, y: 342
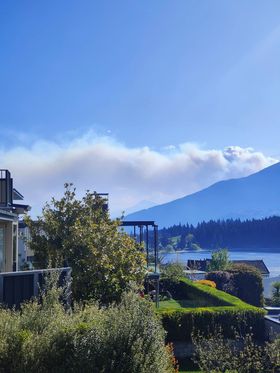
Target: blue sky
x: 133, y: 75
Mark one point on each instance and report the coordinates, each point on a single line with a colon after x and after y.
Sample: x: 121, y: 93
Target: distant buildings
x: 202, y: 265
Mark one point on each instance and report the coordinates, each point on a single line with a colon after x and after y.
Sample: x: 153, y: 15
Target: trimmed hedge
x: 241, y: 280
x: 224, y: 310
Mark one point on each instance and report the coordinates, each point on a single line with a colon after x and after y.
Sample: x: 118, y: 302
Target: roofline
x: 138, y: 223
x: 20, y: 196
x: 7, y: 215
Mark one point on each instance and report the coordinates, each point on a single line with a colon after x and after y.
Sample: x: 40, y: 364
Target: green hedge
x: 241, y: 280
x: 225, y: 310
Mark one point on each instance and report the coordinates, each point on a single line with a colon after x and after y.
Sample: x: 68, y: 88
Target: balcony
x: 6, y: 189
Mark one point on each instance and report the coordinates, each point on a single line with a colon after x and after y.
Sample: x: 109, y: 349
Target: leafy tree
x: 172, y: 272
x: 189, y: 240
x: 229, y: 233
x: 219, y: 261
x: 80, y: 233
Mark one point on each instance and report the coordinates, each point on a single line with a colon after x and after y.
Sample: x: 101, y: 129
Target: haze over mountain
x: 254, y: 196
x: 140, y: 206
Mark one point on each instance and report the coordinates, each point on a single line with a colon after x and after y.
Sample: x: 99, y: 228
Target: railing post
x: 1, y: 288
x: 36, y: 284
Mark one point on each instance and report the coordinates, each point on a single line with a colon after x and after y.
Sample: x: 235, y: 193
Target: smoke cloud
x: 130, y: 175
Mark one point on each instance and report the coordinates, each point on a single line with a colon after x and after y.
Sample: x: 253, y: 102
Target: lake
x: 271, y: 259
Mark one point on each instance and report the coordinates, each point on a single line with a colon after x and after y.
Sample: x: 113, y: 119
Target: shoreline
x: 240, y: 250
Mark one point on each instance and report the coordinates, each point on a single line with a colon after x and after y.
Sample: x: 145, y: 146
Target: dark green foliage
x: 224, y: 310
x: 222, y: 279
x: 241, y: 280
x: 247, y: 283
x: 255, y: 233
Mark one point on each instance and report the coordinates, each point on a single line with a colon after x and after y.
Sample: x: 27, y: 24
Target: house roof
x: 259, y: 264
x: 17, y: 196
x: 202, y: 265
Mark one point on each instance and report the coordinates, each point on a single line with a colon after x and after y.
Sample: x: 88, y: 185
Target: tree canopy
x: 219, y: 261
x: 79, y: 233
x: 254, y: 233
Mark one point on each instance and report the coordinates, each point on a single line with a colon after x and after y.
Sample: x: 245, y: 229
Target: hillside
x: 254, y: 196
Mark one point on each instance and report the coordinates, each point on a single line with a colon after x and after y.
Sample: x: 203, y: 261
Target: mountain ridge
x: 253, y: 196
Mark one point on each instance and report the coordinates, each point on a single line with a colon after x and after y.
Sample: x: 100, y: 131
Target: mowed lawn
x: 182, y: 303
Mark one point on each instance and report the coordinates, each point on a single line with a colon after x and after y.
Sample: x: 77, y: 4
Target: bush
x: 247, y: 282
x: 207, y: 283
x: 224, y: 310
x: 45, y: 338
x: 213, y: 353
x: 222, y: 279
x: 241, y: 280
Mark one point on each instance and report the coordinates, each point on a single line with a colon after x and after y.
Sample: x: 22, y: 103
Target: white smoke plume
x: 130, y: 175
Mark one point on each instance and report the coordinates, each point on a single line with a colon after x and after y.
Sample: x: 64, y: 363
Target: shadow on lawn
x: 193, y: 303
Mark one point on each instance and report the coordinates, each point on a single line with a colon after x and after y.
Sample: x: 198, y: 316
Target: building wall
x: 7, y: 227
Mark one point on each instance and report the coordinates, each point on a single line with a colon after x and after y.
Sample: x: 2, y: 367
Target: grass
x: 198, y: 296
x: 182, y: 303
x: 200, y: 307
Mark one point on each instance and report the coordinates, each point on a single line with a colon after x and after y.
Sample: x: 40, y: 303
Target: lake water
x: 271, y: 259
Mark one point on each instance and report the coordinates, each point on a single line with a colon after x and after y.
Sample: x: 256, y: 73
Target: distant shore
x: 237, y: 249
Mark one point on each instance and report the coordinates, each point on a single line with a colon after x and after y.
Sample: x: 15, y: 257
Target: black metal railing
x: 19, y: 287
x: 6, y: 188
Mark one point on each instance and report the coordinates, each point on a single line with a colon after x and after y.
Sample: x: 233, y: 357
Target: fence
x: 18, y: 287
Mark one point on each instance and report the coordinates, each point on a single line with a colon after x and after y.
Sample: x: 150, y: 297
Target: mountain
x: 254, y: 196
x: 140, y: 206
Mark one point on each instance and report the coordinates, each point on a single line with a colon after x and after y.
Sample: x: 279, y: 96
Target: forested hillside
x: 255, y: 233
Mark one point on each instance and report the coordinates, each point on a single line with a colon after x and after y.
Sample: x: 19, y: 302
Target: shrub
x: 241, y: 280
x: 222, y: 279
x: 132, y: 340
x: 213, y: 353
x: 207, y: 283
x: 247, y: 283
x: 45, y: 338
